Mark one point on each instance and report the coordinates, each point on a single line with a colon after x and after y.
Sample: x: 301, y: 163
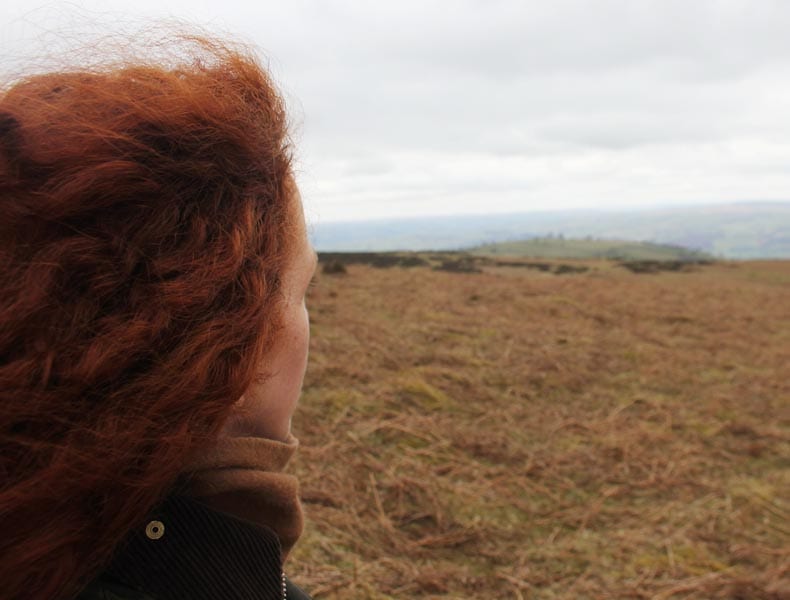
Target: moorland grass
x: 515, y: 433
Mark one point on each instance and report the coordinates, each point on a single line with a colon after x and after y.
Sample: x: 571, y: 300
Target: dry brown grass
x: 519, y: 434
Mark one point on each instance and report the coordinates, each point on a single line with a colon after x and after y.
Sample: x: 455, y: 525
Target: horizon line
x: 623, y: 209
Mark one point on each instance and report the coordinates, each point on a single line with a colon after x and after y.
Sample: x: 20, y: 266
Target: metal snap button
x: 154, y: 530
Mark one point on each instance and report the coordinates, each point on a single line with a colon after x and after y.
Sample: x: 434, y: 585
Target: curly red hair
x: 145, y: 221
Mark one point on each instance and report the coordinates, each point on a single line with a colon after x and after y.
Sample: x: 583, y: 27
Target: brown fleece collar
x: 243, y: 476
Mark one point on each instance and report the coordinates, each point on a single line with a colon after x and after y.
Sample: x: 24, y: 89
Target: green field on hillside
x: 558, y: 247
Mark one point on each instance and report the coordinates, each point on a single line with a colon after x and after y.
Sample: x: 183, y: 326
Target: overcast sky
x: 460, y: 106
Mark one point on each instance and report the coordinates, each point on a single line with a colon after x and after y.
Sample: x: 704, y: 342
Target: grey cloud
x: 367, y: 167
x: 525, y: 38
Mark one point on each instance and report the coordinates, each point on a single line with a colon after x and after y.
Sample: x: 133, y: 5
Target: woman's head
x: 148, y: 225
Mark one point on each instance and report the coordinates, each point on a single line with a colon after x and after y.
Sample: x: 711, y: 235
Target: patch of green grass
x: 553, y: 247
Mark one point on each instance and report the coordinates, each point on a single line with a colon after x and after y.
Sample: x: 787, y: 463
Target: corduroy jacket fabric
x: 189, y: 551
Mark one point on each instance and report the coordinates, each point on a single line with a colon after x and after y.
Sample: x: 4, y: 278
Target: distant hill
x: 740, y: 231
x: 553, y: 247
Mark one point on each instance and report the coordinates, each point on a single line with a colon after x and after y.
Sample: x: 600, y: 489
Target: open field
x: 530, y: 432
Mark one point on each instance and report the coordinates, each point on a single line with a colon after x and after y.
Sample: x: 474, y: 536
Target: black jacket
x: 189, y: 551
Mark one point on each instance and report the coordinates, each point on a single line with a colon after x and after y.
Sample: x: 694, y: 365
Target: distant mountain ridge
x: 735, y: 231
